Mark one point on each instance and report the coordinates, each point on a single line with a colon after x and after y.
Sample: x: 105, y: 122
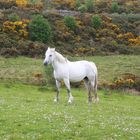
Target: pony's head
x: 49, y: 56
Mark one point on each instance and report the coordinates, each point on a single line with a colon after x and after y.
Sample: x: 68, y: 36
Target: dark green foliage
x: 8, y: 52
x: 32, y: 49
x: 115, y: 7
x: 13, y: 17
x: 33, y: 2
x: 89, y: 5
x: 39, y: 29
x: 78, y: 3
x: 70, y: 22
x: 92, y: 32
x: 96, y: 21
x: 6, y: 41
x: 6, y: 5
x: 137, y: 83
x: 82, y: 8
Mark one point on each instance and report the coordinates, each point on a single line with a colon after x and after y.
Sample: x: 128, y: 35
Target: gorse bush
x: 18, y: 28
x: 21, y: 3
x: 35, y: 3
x: 96, y: 21
x: 5, y: 4
x: 70, y: 22
x: 89, y: 5
x: 39, y: 29
x: 78, y: 3
x: 82, y: 8
x: 29, y: 3
x: 13, y: 17
x: 6, y: 41
x: 114, y: 7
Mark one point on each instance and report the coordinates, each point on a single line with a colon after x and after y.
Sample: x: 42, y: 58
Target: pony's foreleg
x: 58, y: 84
x: 67, y: 84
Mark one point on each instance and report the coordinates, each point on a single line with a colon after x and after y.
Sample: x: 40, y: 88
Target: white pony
x: 72, y: 72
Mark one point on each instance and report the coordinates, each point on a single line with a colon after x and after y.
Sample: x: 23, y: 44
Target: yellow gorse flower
x: 21, y: 3
x: 134, y: 41
x: 18, y: 27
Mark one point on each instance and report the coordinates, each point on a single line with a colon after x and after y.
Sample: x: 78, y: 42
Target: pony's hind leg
x: 58, y: 84
x: 88, y: 87
x: 94, y: 88
x: 96, y: 98
x: 67, y: 84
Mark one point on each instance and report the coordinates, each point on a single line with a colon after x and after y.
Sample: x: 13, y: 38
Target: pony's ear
x: 53, y: 49
x: 48, y: 48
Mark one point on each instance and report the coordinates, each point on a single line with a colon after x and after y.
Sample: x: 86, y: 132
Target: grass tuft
x: 26, y: 112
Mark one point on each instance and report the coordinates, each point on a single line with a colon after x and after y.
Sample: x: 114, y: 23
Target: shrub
x: 39, y: 29
x: 36, y: 49
x: 110, y: 46
x: 89, y: 5
x: 82, y: 8
x: 35, y: 3
x: 70, y: 22
x: 30, y: 3
x: 78, y: 3
x: 123, y: 49
x: 103, y: 5
x: 18, y: 28
x: 7, y: 4
x: 62, y: 32
x: 6, y: 41
x: 137, y: 83
x: 92, y: 32
x: 21, y: 3
x: 96, y: 21
x: 125, y: 81
x: 8, y: 52
x: 13, y: 17
x: 32, y: 49
x: 114, y: 7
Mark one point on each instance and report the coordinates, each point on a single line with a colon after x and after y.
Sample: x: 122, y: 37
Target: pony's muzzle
x: 45, y: 63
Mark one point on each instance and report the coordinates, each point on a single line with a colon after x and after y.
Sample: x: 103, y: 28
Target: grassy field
x: 28, y: 112
x: 22, y: 69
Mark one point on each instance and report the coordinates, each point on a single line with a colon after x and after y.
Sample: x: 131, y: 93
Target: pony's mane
x: 60, y: 58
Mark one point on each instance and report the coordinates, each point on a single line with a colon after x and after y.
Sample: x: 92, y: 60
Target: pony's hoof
x: 69, y: 102
x: 96, y: 100
x: 55, y: 100
x: 89, y: 102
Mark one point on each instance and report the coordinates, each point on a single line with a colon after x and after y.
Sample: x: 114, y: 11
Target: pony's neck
x: 59, y: 59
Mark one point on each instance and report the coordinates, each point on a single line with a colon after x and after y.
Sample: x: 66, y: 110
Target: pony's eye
x: 50, y: 55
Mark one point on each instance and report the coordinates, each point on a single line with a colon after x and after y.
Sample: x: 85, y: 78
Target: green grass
x: 21, y: 69
x: 29, y: 113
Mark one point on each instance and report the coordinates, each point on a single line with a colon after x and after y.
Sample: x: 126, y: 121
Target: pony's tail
x: 95, y: 82
x: 94, y: 69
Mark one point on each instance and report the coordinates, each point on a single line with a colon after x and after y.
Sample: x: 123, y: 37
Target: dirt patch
x: 132, y: 92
